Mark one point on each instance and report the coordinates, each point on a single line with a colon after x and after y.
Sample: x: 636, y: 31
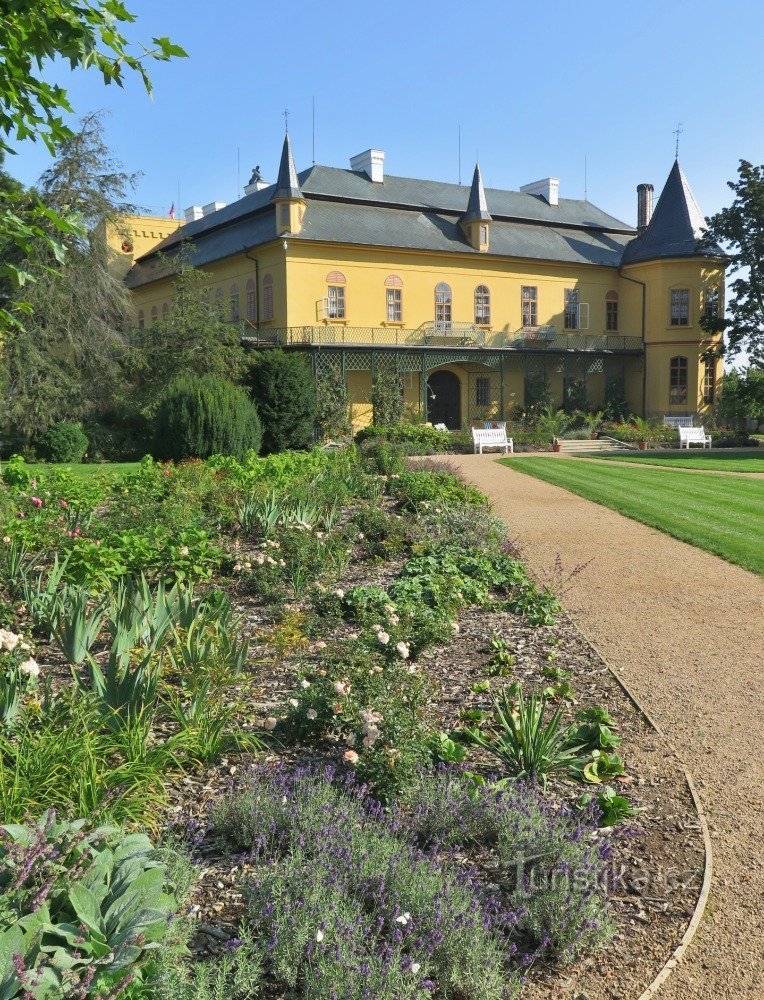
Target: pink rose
x: 350, y: 756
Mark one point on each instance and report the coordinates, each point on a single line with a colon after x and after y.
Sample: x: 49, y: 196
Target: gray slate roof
x: 345, y: 206
x: 676, y: 226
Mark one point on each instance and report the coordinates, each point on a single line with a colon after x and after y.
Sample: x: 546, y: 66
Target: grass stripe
x: 710, y: 461
x: 723, y: 515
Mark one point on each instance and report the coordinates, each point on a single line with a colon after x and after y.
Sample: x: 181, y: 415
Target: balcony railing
x: 462, y: 335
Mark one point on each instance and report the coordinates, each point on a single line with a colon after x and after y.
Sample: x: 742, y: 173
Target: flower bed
x: 306, y: 666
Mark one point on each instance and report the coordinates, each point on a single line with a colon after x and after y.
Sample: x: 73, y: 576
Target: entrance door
x: 444, y: 400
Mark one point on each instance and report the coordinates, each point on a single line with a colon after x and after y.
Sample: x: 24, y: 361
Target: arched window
x: 482, y: 305
x: 251, y: 301
x: 165, y: 310
x: 267, y: 297
x: 394, y: 298
x: 141, y: 320
x: 335, y: 281
x: 219, y: 309
x: 442, y: 306
x: 234, y: 310
x: 611, y: 312
x: 678, y: 380
x: 154, y: 314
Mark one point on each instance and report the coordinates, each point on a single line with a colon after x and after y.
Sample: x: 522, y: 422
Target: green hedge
x: 199, y: 416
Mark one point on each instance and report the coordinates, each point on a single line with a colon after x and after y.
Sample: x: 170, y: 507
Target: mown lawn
x: 721, y: 514
x: 751, y: 460
x: 85, y: 470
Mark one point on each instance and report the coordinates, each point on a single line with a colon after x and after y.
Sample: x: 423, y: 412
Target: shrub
x: 418, y: 434
x: 285, y: 394
x: 83, y: 908
x: 63, y: 442
x: 414, y: 488
x: 199, y: 416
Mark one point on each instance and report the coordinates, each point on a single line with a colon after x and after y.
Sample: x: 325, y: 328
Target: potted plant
x: 554, y: 423
x: 644, y: 430
x: 593, y: 421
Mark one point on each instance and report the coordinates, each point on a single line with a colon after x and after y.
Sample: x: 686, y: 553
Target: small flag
x: 171, y: 213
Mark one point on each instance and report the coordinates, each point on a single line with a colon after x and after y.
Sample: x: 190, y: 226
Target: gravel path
x: 684, y: 629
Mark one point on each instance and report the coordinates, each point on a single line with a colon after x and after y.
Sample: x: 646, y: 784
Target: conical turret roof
x: 477, y: 206
x: 675, y: 228
x: 287, y: 185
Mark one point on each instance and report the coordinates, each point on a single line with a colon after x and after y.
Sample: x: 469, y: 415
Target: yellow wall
x: 365, y: 271
x: 664, y: 341
x: 140, y: 233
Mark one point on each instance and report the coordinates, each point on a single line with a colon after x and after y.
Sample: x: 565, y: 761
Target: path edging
x: 708, y: 866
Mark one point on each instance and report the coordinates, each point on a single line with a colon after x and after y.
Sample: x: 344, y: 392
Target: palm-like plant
x: 553, y: 422
x: 644, y: 428
x: 528, y: 744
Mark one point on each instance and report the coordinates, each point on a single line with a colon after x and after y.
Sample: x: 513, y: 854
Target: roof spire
x: 477, y: 206
x: 675, y: 227
x: 287, y: 185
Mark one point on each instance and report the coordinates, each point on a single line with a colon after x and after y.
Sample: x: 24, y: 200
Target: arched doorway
x: 444, y: 405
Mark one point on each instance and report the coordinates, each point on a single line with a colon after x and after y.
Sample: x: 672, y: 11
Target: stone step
x: 601, y: 444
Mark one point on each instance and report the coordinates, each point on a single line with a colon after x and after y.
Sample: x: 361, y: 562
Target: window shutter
x: 583, y: 316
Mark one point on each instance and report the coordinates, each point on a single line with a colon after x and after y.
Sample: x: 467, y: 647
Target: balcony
x: 461, y: 335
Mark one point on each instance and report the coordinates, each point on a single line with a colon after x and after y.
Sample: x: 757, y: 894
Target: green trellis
x: 486, y: 371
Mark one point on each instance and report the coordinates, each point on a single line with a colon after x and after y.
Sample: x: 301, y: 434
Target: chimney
x: 214, y: 206
x: 644, y: 206
x: 193, y: 213
x: 371, y: 163
x: 548, y: 188
x: 256, y: 182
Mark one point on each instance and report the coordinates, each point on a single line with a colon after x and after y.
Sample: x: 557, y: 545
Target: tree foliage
x: 739, y: 230
x: 198, y: 417
x: 191, y: 339
x: 64, y: 362
x: 741, y: 396
x: 89, y: 35
x: 285, y: 395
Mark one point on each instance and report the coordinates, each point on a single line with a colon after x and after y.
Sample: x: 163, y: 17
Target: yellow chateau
x: 480, y: 300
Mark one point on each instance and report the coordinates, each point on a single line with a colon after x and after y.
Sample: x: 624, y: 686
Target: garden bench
x: 693, y: 435
x: 491, y: 438
x: 677, y: 422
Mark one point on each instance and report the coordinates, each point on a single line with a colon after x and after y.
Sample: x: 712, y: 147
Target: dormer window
x: 483, y: 235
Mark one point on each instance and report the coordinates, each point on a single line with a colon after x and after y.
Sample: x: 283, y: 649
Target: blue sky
x: 536, y: 87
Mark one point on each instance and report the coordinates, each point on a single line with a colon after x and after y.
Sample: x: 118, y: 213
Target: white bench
x: 677, y: 422
x: 693, y: 435
x: 491, y: 438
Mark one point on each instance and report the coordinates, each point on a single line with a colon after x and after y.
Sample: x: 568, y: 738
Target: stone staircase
x: 601, y: 444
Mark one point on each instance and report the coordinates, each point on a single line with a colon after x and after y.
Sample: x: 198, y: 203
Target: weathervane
x: 677, y: 132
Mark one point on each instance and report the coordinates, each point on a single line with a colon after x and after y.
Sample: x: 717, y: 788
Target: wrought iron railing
x: 462, y: 335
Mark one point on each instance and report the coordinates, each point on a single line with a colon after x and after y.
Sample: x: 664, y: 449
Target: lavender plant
x: 344, y: 905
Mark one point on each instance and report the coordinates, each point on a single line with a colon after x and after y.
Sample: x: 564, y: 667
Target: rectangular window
x: 482, y: 391
x: 482, y: 307
x: 678, y: 381
x: 483, y: 235
x: 443, y: 315
x: 268, y: 302
x: 530, y: 311
x: 611, y: 315
x: 284, y: 215
x: 336, y: 302
x: 680, y: 307
x: 571, y: 308
x: 709, y: 381
x: 251, y: 305
x: 235, y: 308
x: 712, y: 303
x: 394, y: 305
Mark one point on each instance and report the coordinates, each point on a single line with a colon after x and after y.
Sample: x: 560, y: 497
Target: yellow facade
x: 499, y: 324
